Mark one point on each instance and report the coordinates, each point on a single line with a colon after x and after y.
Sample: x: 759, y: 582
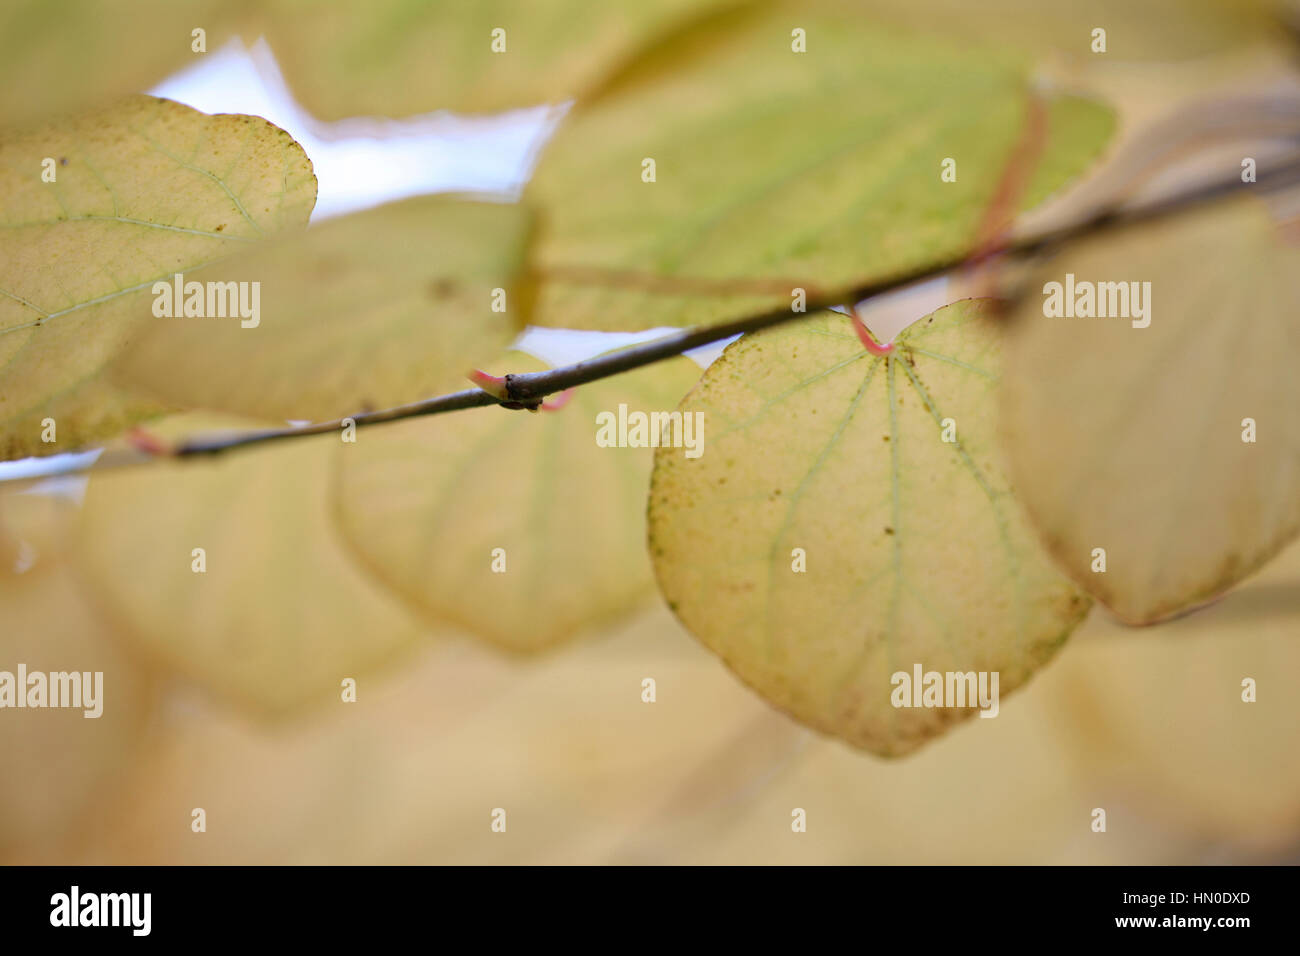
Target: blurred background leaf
x: 818, y: 170
x: 394, y: 58
x: 391, y: 58
x: 61, y: 767
x: 587, y: 773
x: 281, y: 615
x: 425, y: 502
x: 83, y: 54
x: 1131, y: 439
x: 1152, y: 31
x: 1158, y: 715
x: 370, y: 310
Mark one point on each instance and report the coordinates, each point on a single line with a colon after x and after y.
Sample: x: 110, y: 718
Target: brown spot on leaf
x: 442, y: 288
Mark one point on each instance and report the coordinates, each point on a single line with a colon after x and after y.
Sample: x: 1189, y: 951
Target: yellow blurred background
x: 1148, y: 725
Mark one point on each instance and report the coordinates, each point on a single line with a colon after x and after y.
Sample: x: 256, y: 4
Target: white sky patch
x: 367, y: 161
x: 69, y: 486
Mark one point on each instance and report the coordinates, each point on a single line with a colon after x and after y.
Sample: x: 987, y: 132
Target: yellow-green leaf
x: 370, y: 310
x: 830, y: 537
x: 1133, y: 440
x: 140, y: 191
x: 229, y: 572
x: 427, y: 503
x: 775, y: 170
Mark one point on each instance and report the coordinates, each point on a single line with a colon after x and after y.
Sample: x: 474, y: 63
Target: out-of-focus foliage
x: 564, y: 744
x: 587, y: 772
x: 1131, y: 439
x: 1150, y: 31
x: 76, y: 55
x: 427, y: 502
x: 396, y: 58
x: 344, y: 58
x: 59, y: 763
x: 1157, y: 714
x: 915, y: 550
x: 280, y: 615
x: 818, y: 170
x: 370, y: 310
x: 144, y: 189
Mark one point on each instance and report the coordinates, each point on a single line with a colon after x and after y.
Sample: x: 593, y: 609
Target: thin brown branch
x: 527, y: 390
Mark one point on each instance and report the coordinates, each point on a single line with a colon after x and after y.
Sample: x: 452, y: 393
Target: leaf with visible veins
x: 916, y: 552
x: 145, y: 189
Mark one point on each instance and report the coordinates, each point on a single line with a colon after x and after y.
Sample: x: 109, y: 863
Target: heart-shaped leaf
x: 849, y: 521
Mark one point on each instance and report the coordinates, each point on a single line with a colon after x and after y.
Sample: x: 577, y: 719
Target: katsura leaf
x: 830, y: 538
